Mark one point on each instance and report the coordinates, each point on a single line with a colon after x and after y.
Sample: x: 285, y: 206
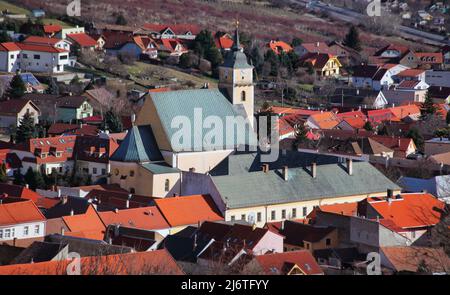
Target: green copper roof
x: 139, y: 146
x: 259, y: 188
x: 160, y: 168
x: 188, y: 109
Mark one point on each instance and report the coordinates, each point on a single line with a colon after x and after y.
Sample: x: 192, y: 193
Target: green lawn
x: 48, y: 21
x: 13, y: 8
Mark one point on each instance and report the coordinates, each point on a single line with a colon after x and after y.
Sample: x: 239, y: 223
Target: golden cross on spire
x: 237, y: 23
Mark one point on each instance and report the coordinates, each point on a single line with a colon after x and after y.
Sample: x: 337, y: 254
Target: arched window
x: 167, y: 185
x: 243, y: 96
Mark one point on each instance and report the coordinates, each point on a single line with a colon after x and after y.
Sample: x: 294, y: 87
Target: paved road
x: 354, y: 17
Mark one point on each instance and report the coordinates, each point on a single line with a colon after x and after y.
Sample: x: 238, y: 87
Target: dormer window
x: 58, y: 154
x: 43, y: 155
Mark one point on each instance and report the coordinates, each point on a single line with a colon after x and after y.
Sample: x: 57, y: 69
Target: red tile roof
x: 279, y: 47
x: 223, y: 42
x: 40, y: 48
x: 141, y: 263
x: 400, y: 144
x: 317, y: 47
x: 410, y: 210
x: 188, y: 210
x: 88, y: 225
x: 19, y: 212
x: 49, y: 147
x: 149, y: 218
x: 282, y: 263
x: 72, y: 129
x: 179, y: 29
x: 9, y: 46
x: 51, y: 29
x: 410, y: 73
x: 82, y: 39
x: 325, y: 120
x: 41, y: 40
x: 410, y: 258
x: 430, y: 57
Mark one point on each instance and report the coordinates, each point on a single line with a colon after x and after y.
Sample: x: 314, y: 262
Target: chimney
x: 133, y: 118
x: 282, y: 225
x: 116, y: 210
x: 314, y: 169
x: 350, y: 166
x: 285, y: 173
x: 265, y: 168
x: 27, y: 186
x: 127, y: 205
x: 71, y: 212
x: 390, y: 194
x: 64, y: 199
x: 63, y: 231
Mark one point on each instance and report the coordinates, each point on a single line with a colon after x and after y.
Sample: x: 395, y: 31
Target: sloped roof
x: 50, y: 29
x: 149, y: 218
x: 14, y: 106
x: 410, y: 210
x: 152, y: 262
x: 410, y: 258
x: 281, y: 263
x: 42, y: 40
x: 88, y: 225
x: 9, y: 46
x: 179, y: 211
x: 19, y: 212
x: 279, y: 46
x: 296, y: 233
x: 179, y: 29
x: 186, y: 104
x: 82, y: 39
x: 139, y: 146
x: 238, y: 191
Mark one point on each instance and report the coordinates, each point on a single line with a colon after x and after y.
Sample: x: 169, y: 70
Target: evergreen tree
x: 26, y: 129
x: 120, y: 20
x: 34, y: 179
x: 112, y: 122
x: 296, y: 42
x: 416, y: 137
x: 53, y: 87
x: 428, y: 107
x: 352, y: 39
x: 16, y: 87
x: 368, y: 126
x: 257, y: 59
x: 18, y: 178
x: 301, y: 133
x: 203, y: 42
x: 3, y: 175
x: 4, y: 37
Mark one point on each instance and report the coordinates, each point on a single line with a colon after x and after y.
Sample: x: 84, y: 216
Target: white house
x: 66, y: 31
x: 21, y: 221
x: 13, y: 110
x: 375, y: 77
x: 55, y: 42
x: 32, y: 57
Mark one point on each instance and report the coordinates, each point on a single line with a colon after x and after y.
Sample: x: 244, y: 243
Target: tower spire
x: 236, y: 45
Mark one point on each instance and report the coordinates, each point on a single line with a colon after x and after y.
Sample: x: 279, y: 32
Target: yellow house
x: 324, y: 65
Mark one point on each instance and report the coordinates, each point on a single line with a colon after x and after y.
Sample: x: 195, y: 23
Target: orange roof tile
x: 280, y: 46
x: 281, y: 263
x: 152, y: 262
x: 149, y: 218
x: 411, y: 210
x: 410, y: 73
x: 51, y: 29
x: 19, y: 212
x: 325, y: 120
x: 188, y: 210
x: 87, y: 224
x: 348, y: 209
x: 83, y: 39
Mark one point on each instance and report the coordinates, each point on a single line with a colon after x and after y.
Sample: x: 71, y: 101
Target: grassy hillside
x: 12, y: 8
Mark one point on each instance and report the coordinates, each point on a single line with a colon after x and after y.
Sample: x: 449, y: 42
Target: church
x: 179, y: 131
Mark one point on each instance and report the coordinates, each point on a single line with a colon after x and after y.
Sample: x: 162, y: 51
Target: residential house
x: 73, y: 108
x: 143, y: 218
x: 172, y: 47
x: 395, y: 54
x: 375, y: 77
x: 62, y: 34
x: 354, y: 98
x: 88, y: 225
x: 290, y: 263
x: 411, y: 259
x: 21, y: 223
x: 179, y: 214
x: 345, y: 54
x: 12, y: 112
x: 51, y: 30
x: 324, y: 65
x: 81, y: 41
x: 398, y: 97
x: 446, y: 53
x: 133, y: 46
x: 278, y: 47
x: 47, y: 155
x: 300, y: 236
x: 352, y: 120
x: 55, y: 42
x: 32, y: 57
x: 223, y: 41
x: 105, y: 199
x: 402, y: 147
x: 325, y: 120
x: 171, y: 31
x: 93, y: 154
x: 411, y: 74
x: 308, y: 48
x: 32, y: 84
x: 10, y: 160
x: 431, y: 60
